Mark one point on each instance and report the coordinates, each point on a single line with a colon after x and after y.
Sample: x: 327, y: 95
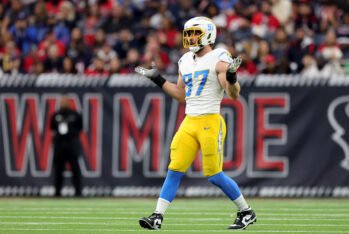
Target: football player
x: 204, y: 74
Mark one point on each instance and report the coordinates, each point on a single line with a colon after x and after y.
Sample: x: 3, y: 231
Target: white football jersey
x: 202, y: 88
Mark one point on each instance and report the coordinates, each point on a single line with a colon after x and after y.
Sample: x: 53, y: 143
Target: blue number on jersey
x: 188, y: 80
x: 204, y: 75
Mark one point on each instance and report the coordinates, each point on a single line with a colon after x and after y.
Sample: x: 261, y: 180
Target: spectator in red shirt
x: 167, y: 34
x: 247, y: 67
x: 97, y: 68
x: 269, y: 65
x: 52, y: 6
x: 263, y: 22
x: 30, y: 60
x: 153, y: 52
x: 90, y: 24
x: 49, y: 40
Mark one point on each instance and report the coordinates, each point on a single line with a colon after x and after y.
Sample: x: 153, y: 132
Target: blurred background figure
x: 310, y: 68
x: 110, y: 29
x: 10, y: 59
x: 66, y: 125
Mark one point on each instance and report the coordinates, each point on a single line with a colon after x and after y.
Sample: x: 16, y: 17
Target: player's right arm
x: 176, y: 91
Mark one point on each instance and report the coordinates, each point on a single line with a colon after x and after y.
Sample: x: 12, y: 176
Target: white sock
x: 241, y: 203
x: 161, y: 206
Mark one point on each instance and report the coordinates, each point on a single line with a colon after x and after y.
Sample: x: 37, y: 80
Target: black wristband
x: 231, y: 77
x: 159, y: 80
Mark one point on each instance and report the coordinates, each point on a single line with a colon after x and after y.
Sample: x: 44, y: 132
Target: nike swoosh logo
x: 247, y: 219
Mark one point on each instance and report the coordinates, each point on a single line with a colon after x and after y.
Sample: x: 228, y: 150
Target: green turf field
x: 109, y: 215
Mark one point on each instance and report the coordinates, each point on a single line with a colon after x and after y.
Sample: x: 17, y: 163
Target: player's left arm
x: 228, y: 78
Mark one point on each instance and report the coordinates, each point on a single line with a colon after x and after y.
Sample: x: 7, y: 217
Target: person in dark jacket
x: 66, y: 125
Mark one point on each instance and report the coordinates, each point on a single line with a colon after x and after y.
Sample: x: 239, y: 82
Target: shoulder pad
x: 225, y: 56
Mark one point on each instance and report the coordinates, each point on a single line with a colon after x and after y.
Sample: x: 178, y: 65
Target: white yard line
x: 110, y: 209
x: 172, y: 210
x: 170, y: 213
x: 299, y: 204
x: 167, y: 224
x: 170, y: 218
x: 174, y: 231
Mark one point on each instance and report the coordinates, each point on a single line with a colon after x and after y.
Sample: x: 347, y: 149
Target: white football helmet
x: 201, y: 27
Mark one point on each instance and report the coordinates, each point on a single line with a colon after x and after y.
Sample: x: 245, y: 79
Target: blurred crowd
x: 104, y: 37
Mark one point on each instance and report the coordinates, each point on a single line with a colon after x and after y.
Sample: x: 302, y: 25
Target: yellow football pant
x: 205, y: 132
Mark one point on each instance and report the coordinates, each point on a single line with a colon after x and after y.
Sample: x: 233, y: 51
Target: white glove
x: 152, y: 74
x: 149, y: 73
x: 235, y: 64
